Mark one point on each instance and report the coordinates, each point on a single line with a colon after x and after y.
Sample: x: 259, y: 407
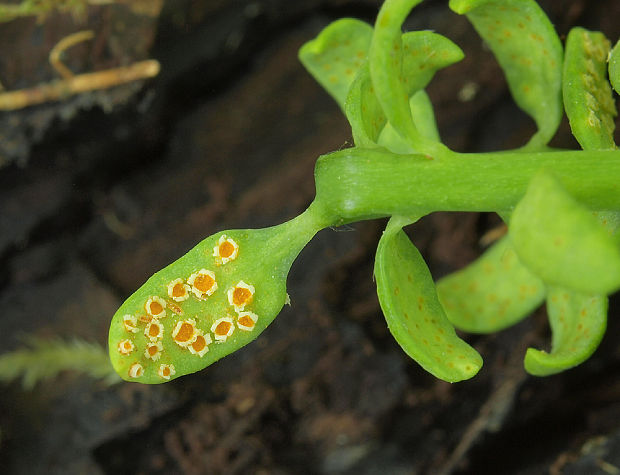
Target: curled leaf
x: 424, y: 53
x: 424, y: 119
x: 363, y: 111
x: 400, y: 65
x: 335, y: 56
x: 614, y: 67
x: 492, y: 293
x: 412, y: 310
x: 578, y: 322
x: 561, y: 241
x: 530, y: 53
x: 588, y: 99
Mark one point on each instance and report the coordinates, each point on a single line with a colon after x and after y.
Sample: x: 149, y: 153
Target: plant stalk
x: 358, y: 184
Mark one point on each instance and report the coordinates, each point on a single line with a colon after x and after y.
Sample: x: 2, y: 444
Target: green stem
x: 357, y: 184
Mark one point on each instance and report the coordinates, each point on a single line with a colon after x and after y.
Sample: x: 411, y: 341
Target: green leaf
x: 42, y: 360
x: 588, y: 98
x: 425, y: 53
x: 187, y: 313
x: 363, y: 111
x: 386, y: 63
x: 424, y: 119
x: 412, y: 310
x: 614, y: 67
x: 401, y: 65
x: 492, y: 293
x: 335, y: 56
x: 530, y: 53
x: 578, y: 322
x: 561, y: 241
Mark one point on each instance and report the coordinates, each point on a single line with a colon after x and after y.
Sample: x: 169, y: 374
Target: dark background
x: 103, y: 189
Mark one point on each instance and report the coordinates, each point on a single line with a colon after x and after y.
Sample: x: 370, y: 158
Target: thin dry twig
x: 61, y: 89
x: 64, y: 44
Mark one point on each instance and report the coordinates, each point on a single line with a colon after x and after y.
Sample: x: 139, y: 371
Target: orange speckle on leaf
x: 240, y: 295
x: 156, y: 307
x: 125, y: 347
x: 178, y: 290
x: 165, y: 371
x: 222, y: 328
x: 145, y: 318
x: 246, y: 321
x: 184, y: 333
x: 203, y: 283
x: 174, y: 308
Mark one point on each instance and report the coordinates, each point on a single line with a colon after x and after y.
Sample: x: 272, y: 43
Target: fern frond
x: 44, y: 359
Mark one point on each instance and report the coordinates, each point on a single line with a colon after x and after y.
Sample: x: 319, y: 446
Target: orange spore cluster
x: 241, y: 296
x: 204, y: 283
x: 186, y: 333
x: 225, y: 250
x: 246, y: 321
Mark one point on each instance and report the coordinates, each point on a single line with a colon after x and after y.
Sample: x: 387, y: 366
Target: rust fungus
x: 185, y: 333
x: 146, y: 318
x: 153, y: 350
x: 166, y: 370
x: 154, y: 331
x: 130, y: 323
x: 222, y: 328
x: 226, y: 249
x: 178, y: 290
x: 203, y: 283
x: 201, y: 345
x: 240, y: 295
x: 136, y: 370
x: 125, y: 347
x: 156, y: 307
x: 246, y: 321
x: 174, y: 308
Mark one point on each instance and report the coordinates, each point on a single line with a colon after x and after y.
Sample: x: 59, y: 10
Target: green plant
x: 562, y: 206
x: 42, y: 359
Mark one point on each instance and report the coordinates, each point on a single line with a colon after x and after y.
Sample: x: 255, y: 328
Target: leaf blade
x: 530, y: 53
x: 578, y: 323
x: 588, y: 99
x: 492, y: 293
x: 335, y: 56
x: 412, y: 310
x: 561, y: 241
